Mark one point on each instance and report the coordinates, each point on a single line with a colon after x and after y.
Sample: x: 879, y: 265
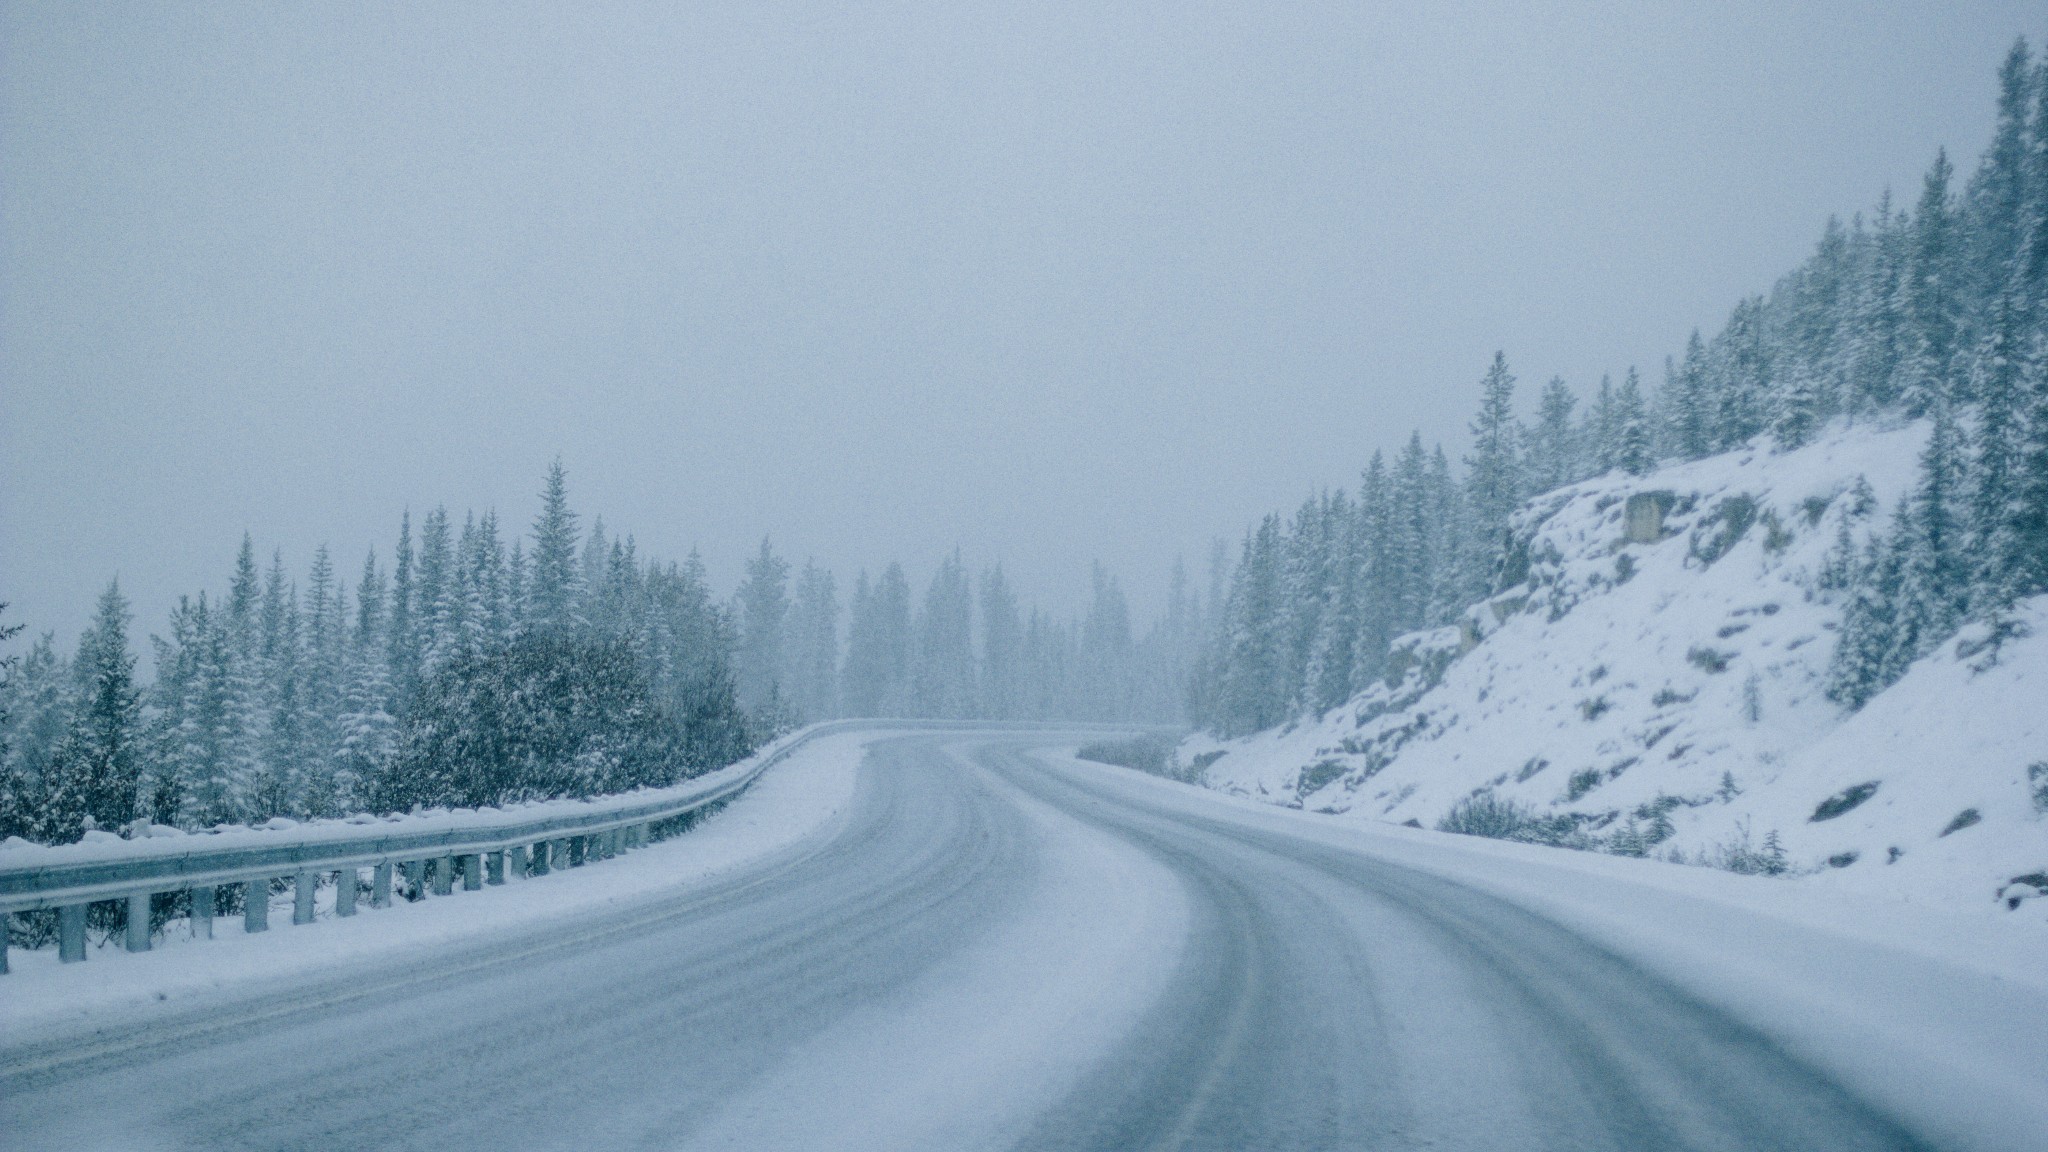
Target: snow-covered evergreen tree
x: 96, y: 769
x: 554, y: 581
x: 1002, y: 644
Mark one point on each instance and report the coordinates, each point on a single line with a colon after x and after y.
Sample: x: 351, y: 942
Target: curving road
x: 991, y: 949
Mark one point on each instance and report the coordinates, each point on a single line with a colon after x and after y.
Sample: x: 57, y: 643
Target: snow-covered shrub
x: 1485, y: 814
x: 1843, y: 802
x: 1145, y: 753
x: 1964, y: 819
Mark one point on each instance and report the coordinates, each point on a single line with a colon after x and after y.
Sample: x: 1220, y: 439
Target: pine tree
x: 1002, y: 640
x: 437, y: 595
x: 1692, y: 410
x: 1106, y: 651
x: 1601, y: 430
x: 1740, y: 375
x: 402, y: 654
x: 877, y: 646
x: 1334, y: 657
x: 762, y: 607
x: 814, y: 645
x: 97, y: 766
x: 1999, y: 193
x: 1494, y: 485
x: 1998, y: 380
x: 1378, y: 594
x: 1632, y: 447
x: 1253, y: 689
x: 1865, y: 661
x: 1878, y: 326
x: 40, y: 694
x: 553, y: 582
x: 1553, y: 448
x: 1934, y: 572
x: 1926, y: 374
x: 15, y: 797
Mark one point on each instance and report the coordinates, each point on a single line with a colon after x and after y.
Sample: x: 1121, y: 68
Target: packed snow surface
x: 1665, y: 697
x: 976, y: 941
x: 796, y: 800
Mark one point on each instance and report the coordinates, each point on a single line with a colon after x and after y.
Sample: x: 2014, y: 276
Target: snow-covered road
x: 993, y: 945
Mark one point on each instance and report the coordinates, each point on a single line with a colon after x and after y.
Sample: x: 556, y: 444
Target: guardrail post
x: 256, y: 906
x: 202, y: 913
x: 444, y: 876
x: 138, y: 922
x: 472, y: 873
x: 6, y: 930
x: 542, y: 862
x: 345, y: 892
x: 579, y: 851
x: 380, y: 885
x: 304, y: 885
x: 515, y: 863
x: 71, y: 933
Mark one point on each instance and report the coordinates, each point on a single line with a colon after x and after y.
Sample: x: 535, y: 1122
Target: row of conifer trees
x: 1939, y: 314
x: 472, y: 671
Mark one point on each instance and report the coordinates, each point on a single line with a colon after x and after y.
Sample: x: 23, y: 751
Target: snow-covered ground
x: 1668, y: 695
x: 797, y: 800
x: 1934, y: 1010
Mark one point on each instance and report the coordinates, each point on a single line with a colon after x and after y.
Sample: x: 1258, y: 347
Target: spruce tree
x: 1553, y: 449
x: 1934, y: 569
x: 1494, y: 485
x: 1002, y: 641
x: 97, y: 767
x: 553, y: 581
x: 1633, y: 453
x: 763, y: 607
x: 1692, y: 411
x: 1878, y: 337
x: 814, y: 644
x: 1926, y: 374
x: 402, y: 655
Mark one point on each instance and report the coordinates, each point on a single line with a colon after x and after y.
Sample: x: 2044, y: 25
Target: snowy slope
x: 1665, y: 698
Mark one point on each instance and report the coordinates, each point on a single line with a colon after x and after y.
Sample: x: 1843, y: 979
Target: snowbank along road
x: 994, y: 945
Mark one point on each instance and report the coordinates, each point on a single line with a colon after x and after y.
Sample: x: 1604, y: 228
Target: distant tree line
x: 1938, y: 313
x: 472, y: 672
x: 965, y: 649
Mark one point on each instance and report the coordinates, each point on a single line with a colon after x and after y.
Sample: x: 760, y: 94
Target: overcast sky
x: 1049, y: 282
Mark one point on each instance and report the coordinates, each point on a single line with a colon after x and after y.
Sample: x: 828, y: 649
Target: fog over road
x: 995, y: 947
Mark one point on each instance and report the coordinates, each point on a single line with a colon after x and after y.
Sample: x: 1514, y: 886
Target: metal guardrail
x: 489, y: 851
x: 486, y: 851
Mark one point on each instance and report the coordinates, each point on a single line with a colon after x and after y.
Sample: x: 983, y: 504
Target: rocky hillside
x: 1651, y: 683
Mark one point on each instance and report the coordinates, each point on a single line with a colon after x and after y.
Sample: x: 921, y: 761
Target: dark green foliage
x: 1964, y: 819
x: 97, y: 767
x: 548, y: 715
x: 1843, y: 802
x: 2037, y: 785
x: 1720, y: 530
x: 1582, y: 782
x: 1485, y: 814
x: 1708, y: 659
x: 1844, y: 859
x: 1150, y: 753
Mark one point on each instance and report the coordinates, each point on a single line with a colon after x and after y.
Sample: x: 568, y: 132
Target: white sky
x: 1046, y: 282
